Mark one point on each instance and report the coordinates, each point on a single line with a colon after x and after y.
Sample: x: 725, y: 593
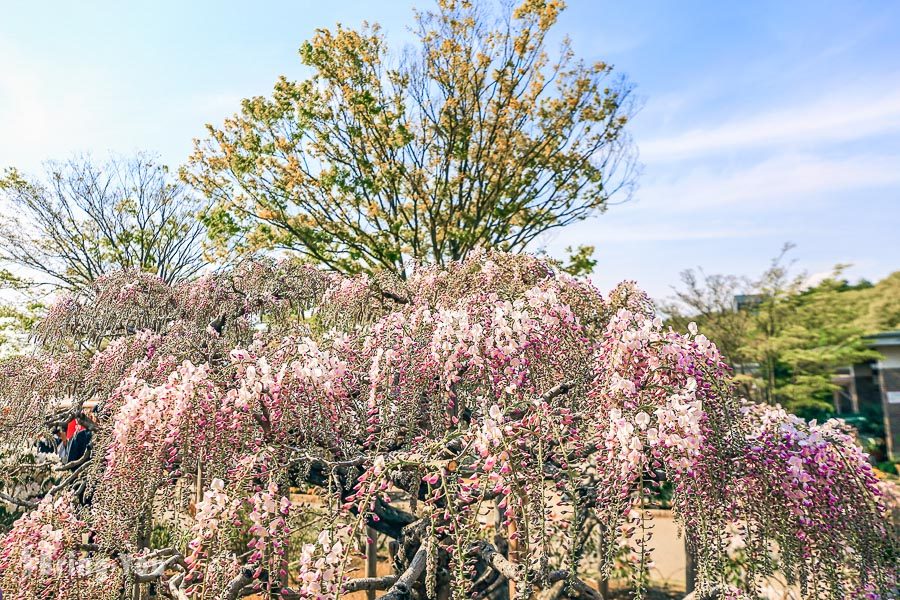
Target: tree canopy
x: 879, y: 305
x: 477, y: 137
x: 784, y: 338
x: 490, y: 416
x: 87, y: 218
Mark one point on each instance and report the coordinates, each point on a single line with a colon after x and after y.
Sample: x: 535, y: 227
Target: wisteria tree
x: 493, y: 418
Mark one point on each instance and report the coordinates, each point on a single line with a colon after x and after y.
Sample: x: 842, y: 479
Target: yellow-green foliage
x: 478, y: 138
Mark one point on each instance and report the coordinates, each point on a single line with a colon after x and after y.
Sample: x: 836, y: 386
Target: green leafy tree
x: 475, y: 138
x: 581, y: 261
x: 784, y: 338
x: 801, y: 339
x: 880, y: 305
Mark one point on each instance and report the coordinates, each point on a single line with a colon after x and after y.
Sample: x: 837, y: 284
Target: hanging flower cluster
x: 214, y: 518
x: 270, y: 530
x: 48, y: 555
x: 156, y: 431
x: 319, y: 567
x: 26, y: 472
x: 797, y: 482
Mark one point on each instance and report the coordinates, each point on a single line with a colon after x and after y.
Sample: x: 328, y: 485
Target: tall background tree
x: 87, y: 218
x: 476, y: 138
x: 784, y: 336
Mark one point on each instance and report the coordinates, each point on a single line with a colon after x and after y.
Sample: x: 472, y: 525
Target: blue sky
x: 762, y: 122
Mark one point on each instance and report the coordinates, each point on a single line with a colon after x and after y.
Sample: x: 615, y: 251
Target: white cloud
x: 621, y: 228
x: 832, y: 119
x: 735, y: 201
x: 814, y: 279
x: 784, y: 180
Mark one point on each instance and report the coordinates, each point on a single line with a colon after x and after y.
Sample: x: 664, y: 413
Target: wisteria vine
x: 493, y: 417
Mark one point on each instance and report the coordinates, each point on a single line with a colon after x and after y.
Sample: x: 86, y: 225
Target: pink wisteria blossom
x: 492, y: 418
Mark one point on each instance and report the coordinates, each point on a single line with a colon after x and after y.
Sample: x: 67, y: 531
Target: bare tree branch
x: 401, y: 589
x: 86, y: 219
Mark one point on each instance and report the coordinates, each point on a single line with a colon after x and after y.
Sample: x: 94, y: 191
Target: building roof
x: 884, y: 338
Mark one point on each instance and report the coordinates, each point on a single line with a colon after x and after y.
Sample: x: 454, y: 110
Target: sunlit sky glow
x: 762, y: 122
